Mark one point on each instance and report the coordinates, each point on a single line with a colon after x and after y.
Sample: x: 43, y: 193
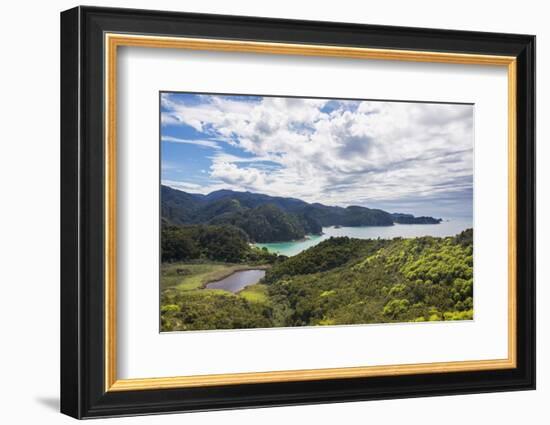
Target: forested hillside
x: 209, y: 242
x: 270, y: 219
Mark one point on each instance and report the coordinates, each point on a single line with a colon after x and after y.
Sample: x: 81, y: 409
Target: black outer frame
x: 82, y: 212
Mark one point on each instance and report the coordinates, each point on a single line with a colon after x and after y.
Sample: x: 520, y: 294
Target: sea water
x: 448, y: 227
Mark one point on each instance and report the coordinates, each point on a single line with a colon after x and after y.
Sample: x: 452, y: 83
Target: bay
x: 448, y: 227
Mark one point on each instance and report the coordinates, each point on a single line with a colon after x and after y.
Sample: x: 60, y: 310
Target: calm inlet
x: 448, y: 227
x: 238, y: 280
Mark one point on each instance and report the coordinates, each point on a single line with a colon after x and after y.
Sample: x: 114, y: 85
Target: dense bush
x: 220, y: 243
x: 210, y: 242
x: 205, y: 309
x: 339, y: 281
x: 347, y: 281
x: 267, y: 223
x: 331, y: 253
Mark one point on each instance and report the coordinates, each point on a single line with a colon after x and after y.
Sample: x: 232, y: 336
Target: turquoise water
x: 446, y: 228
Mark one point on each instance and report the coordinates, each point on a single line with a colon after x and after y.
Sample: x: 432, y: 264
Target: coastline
x: 446, y: 227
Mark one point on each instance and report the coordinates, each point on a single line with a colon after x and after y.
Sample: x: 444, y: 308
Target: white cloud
x: 350, y: 152
x: 204, y: 143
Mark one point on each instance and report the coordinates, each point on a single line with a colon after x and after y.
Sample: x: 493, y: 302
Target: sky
x: 397, y: 156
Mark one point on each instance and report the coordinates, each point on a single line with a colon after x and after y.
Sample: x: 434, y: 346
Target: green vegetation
x: 382, y: 281
x: 209, y: 242
x: 208, y: 309
x: 339, y: 281
x: 187, y: 305
x: 255, y: 293
x: 327, y: 255
x: 267, y: 223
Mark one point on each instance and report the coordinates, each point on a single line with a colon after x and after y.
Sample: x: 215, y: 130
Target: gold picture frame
x: 91, y: 41
x: 114, y: 41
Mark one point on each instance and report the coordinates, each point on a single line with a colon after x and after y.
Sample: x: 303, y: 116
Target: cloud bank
x: 407, y: 157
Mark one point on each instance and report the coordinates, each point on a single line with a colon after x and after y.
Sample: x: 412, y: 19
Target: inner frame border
x: 114, y: 40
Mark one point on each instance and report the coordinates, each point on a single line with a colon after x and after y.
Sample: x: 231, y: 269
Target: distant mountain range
x: 267, y: 218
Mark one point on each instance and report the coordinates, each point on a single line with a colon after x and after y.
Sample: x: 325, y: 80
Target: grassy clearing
x: 207, y: 292
x: 255, y: 293
x: 191, y: 276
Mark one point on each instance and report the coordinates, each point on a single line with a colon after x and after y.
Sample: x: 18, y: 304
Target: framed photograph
x: 261, y: 212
